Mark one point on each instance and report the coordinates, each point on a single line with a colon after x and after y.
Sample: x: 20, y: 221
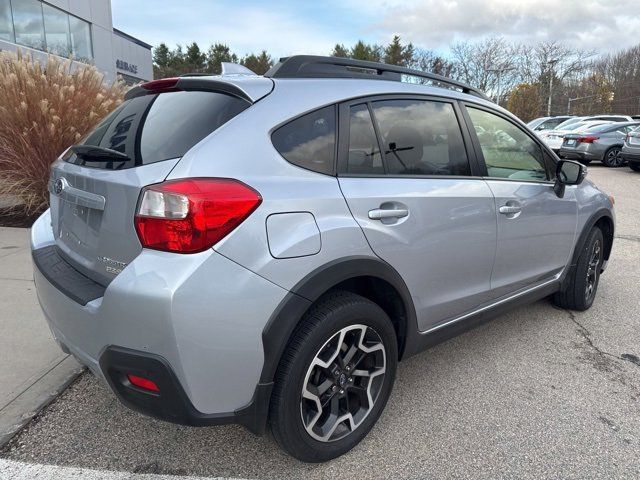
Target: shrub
x: 44, y: 108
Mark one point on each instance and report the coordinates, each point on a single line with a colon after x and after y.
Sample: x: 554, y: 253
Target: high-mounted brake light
x: 162, y: 85
x: 191, y: 215
x: 590, y: 139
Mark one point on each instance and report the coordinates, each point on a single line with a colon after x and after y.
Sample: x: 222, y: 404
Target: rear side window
x: 420, y: 137
x: 153, y: 128
x: 364, y: 152
x: 309, y: 141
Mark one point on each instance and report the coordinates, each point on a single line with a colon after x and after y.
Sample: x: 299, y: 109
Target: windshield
x: 571, y: 121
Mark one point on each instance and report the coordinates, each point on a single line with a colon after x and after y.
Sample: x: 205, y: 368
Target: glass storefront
x: 38, y: 25
x: 6, y: 21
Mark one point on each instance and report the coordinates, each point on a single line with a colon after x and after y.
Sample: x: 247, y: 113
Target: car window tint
x: 421, y: 138
x: 364, y: 153
x: 508, y: 152
x: 309, y: 141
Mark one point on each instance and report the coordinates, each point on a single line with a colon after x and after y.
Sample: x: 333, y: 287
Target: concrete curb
x: 27, y: 404
x: 27, y: 471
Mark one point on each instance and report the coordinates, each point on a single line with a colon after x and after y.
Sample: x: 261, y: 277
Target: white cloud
x: 591, y: 24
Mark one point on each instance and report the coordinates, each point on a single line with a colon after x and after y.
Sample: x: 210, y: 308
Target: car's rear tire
x: 635, y: 167
x: 582, y: 284
x: 585, y: 161
x: 613, y: 158
x: 343, y: 356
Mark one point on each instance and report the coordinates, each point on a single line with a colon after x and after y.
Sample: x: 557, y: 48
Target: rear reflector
x: 143, y: 383
x: 191, y: 215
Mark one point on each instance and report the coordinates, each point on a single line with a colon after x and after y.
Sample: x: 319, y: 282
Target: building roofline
x: 120, y: 33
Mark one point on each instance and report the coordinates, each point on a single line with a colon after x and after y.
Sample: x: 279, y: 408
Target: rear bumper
x: 573, y: 154
x: 195, y: 321
x: 630, y: 157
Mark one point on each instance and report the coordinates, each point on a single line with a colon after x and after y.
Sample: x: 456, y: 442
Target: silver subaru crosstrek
x: 263, y: 250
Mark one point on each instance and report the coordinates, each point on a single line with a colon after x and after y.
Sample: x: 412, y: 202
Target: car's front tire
x: 334, y: 378
x: 635, y: 167
x: 582, y: 284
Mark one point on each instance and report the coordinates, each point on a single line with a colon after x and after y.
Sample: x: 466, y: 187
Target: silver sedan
x: 602, y: 143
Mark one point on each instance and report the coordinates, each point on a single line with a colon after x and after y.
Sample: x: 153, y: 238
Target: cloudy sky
x: 285, y: 27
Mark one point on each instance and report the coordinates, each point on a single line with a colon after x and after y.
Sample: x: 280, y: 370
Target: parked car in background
x: 601, y: 143
x: 547, y: 123
x: 574, y: 120
x: 554, y: 138
x: 631, y: 150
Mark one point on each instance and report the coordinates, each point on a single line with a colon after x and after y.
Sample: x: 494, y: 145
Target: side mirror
x: 568, y: 172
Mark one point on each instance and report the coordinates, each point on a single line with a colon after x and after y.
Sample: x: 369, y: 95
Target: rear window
x: 153, y: 128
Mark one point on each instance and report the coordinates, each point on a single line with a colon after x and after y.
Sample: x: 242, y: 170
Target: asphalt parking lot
x: 539, y: 392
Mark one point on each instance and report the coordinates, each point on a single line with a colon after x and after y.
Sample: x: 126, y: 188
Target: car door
x: 409, y: 181
x: 536, y: 228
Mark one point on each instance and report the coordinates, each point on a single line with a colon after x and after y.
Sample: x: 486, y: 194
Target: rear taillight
x: 586, y: 139
x: 191, y: 215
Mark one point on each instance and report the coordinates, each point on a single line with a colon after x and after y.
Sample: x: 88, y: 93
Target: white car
x: 554, y: 138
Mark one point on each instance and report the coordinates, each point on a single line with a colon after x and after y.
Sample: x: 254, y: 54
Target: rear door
x: 536, y: 229
x: 410, y: 183
x: 93, y: 202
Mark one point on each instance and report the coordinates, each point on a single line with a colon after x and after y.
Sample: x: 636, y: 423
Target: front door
x: 536, y: 228
x: 408, y: 181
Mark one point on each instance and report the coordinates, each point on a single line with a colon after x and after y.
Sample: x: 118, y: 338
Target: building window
x: 38, y: 25
x: 29, y: 24
x: 56, y: 28
x: 80, y: 39
x: 6, y: 21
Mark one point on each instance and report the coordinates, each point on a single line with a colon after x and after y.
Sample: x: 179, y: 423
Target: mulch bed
x: 17, y: 219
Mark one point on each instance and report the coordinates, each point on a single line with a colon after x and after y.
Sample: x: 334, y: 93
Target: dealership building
x: 82, y: 29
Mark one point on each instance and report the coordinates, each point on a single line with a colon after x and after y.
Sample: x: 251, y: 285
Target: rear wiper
x: 92, y: 153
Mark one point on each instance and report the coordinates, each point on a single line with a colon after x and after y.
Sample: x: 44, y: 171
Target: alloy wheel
x: 614, y: 157
x: 343, y: 383
x: 595, y: 259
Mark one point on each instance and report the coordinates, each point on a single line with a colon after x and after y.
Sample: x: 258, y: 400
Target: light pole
x: 499, y: 71
x: 550, y: 63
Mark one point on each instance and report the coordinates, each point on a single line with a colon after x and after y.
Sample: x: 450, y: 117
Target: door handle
x: 381, y: 213
x: 509, y: 209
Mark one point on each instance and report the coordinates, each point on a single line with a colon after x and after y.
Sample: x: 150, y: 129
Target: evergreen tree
x: 161, y: 55
x: 397, y: 54
x: 194, y: 58
x: 340, y: 51
x: 364, y: 51
x: 217, y: 54
x: 258, y: 64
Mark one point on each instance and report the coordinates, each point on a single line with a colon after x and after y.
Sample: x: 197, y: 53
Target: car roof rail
x: 314, y: 66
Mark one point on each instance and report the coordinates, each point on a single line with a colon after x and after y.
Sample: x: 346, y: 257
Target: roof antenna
x: 229, y: 68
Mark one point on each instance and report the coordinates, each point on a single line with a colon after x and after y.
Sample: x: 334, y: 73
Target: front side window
x: 6, y: 21
x: 56, y: 27
x: 508, y: 152
x: 364, y: 156
x: 309, y: 141
x: 420, y: 137
x: 28, y: 23
x: 80, y: 39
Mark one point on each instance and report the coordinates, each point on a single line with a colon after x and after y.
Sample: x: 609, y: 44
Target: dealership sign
x: 126, y: 66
